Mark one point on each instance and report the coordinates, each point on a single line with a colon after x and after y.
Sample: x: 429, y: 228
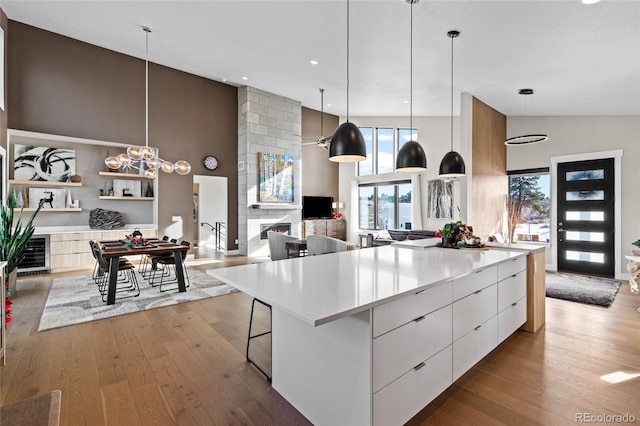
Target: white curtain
x: 416, y: 201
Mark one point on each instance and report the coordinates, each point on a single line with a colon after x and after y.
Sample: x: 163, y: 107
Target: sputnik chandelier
x: 145, y: 158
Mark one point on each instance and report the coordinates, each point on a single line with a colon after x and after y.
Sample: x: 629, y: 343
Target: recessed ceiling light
x: 224, y: 80
x: 313, y: 62
x: 245, y: 78
x: 329, y: 105
x: 590, y: 1
x: 405, y: 102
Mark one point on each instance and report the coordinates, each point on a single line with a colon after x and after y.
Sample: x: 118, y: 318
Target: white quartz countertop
x: 319, y: 289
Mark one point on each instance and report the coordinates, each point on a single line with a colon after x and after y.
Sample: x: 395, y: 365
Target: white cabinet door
x: 473, y: 310
x: 405, y: 397
x: 474, y: 346
x: 512, y: 318
x: 400, y: 350
x: 474, y: 282
x: 511, y: 289
x: 400, y: 311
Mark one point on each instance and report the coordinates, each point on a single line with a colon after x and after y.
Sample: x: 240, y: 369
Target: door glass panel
x: 585, y: 256
x: 367, y: 215
x: 588, y: 216
x: 597, y: 237
x: 585, y: 175
x: 585, y: 195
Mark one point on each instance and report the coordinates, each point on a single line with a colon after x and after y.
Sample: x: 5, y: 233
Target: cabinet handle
x: 421, y: 291
x: 514, y: 275
x: 478, y: 327
x: 420, y: 318
x: 514, y: 304
x: 481, y: 270
x: 478, y: 292
x: 419, y: 366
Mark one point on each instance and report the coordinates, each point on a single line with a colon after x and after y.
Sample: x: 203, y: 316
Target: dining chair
x: 164, y: 264
x: 126, y: 281
x: 319, y: 244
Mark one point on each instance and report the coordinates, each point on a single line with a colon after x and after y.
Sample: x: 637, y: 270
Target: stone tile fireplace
x: 267, y: 123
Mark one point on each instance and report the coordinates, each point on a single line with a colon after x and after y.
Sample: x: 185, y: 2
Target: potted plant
x: 14, y: 237
x: 449, y: 233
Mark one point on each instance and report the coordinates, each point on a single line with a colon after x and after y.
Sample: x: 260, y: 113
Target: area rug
x: 74, y: 300
x: 581, y: 288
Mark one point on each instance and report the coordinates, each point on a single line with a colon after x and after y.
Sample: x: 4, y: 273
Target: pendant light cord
x: 411, y: 73
x: 146, y: 94
x: 347, y: 61
x: 452, y: 93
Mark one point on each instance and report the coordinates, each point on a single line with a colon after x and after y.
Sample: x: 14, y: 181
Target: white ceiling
x: 579, y: 59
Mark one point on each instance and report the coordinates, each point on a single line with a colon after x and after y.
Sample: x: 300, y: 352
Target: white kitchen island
x: 372, y: 336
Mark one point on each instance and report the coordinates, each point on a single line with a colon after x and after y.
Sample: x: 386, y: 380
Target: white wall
x: 580, y: 135
x: 434, y: 136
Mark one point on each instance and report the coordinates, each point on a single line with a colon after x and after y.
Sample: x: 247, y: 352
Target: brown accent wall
x: 63, y: 86
x: 3, y: 113
x: 489, y: 181
x: 319, y: 175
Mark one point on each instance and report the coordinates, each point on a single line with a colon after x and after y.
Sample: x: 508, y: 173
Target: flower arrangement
x: 7, y: 306
x: 336, y: 215
x: 135, y: 241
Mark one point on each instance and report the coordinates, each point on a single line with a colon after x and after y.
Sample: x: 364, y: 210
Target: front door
x: 586, y: 217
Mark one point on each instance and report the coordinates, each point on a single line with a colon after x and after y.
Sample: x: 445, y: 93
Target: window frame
x: 396, y: 197
x: 375, y: 147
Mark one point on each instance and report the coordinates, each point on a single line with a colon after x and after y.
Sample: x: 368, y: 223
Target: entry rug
x: 74, y: 300
x: 581, y: 288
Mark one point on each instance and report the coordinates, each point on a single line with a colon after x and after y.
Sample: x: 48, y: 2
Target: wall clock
x: 210, y: 162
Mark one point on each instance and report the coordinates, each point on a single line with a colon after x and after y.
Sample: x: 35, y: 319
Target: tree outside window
x: 528, y: 208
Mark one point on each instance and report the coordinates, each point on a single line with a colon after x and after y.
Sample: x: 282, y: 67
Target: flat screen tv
x: 316, y: 207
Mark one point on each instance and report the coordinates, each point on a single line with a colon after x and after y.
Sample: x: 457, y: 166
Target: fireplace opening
x: 283, y: 228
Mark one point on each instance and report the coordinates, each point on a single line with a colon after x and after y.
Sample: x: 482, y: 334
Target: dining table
x: 113, y: 250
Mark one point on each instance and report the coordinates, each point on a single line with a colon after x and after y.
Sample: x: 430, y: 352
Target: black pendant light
x: 411, y: 157
x: 452, y: 164
x: 347, y: 144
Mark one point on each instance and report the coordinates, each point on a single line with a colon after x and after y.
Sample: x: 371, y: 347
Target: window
x: 385, y: 205
x: 529, y: 203
x: 382, y: 145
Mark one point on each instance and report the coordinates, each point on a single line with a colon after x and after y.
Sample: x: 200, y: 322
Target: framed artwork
x: 440, y: 199
x: 275, y: 175
x: 126, y: 188
x: 43, y: 163
x: 54, y: 198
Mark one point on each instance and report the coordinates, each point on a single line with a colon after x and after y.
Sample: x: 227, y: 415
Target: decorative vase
x: 448, y: 241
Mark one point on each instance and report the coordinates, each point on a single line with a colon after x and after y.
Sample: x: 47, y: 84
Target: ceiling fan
x: 322, y: 142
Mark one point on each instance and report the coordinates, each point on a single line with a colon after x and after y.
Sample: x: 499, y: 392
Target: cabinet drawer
x: 474, y: 346
x: 510, y: 319
x: 400, y: 311
x: 473, y: 310
x: 511, y: 266
x: 400, y: 350
x: 474, y: 282
x: 511, y: 289
x: 402, y: 399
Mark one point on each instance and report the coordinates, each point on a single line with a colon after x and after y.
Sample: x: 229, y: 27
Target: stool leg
x: 249, y: 336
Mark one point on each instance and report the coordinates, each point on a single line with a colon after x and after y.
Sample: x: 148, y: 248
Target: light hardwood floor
x: 185, y: 365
